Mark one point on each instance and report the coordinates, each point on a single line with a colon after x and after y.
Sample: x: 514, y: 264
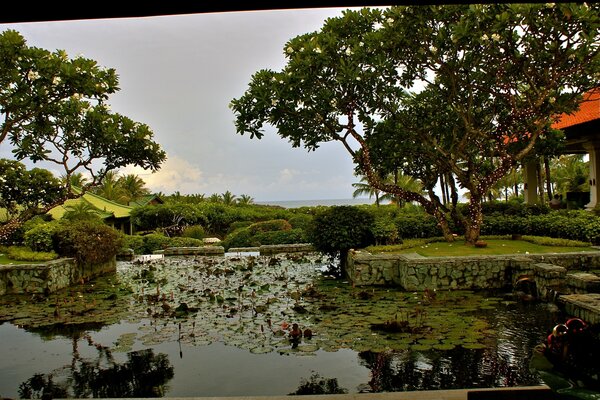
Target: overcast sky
x: 178, y: 74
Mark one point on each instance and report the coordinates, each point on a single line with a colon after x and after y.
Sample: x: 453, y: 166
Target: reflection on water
x: 219, y: 327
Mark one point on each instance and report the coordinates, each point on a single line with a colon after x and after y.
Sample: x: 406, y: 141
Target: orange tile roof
x: 589, y: 110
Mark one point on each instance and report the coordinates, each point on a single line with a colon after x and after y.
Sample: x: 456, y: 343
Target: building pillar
x: 530, y: 189
x: 593, y: 149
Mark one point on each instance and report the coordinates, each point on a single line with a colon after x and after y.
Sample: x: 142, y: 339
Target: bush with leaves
x: 269, y: 226
x: 282, y: 237
x: 39, y: 238
x: 179, y: 241
x: 154, y: 242
x: 89, y: 242
x: 194, y: 231
x: 338, y: 229
x: 134, y: 242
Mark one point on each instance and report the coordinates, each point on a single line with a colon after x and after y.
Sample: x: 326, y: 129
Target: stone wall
x: 48, y: 277
x: 415, y: 273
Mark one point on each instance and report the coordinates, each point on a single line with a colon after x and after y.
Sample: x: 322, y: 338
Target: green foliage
x: 21, y: 253
x: 240, y: 238
x: 134, y: 242
x: 185, y: 242
x: 385, y: 231
x: 194, y: 231
x: 155, y: 241
x: 51, y: 103
x: 282, y: 237
x: 268, y: 226
x: 164, y: 215
x: 39, y: 238
x: 238, y: 225
x: 277, y: 231
x: 301, y: 221
x: 88, y: 242
x: 517, y: 66
x: 22, y: 189
x: 417, y: 225
x: 341, y: 228
x: 547, y: 241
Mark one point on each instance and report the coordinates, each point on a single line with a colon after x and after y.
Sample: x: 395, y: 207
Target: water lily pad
x: 473, y: 346
x: 444, y: 346
x: 261, y: 350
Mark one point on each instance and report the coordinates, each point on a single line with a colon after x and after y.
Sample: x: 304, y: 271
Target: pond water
x: 220, y: 326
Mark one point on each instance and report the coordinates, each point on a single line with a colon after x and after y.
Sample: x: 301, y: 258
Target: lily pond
x: 224, y: 326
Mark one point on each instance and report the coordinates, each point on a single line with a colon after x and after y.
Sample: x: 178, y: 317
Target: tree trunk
x: 548, y: 180
x: 540, y: 179
x: 474, y: 220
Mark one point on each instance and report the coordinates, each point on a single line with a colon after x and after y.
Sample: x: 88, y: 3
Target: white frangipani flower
x: 495, y: 37
x: 56, y: 80
x: 33, y: 75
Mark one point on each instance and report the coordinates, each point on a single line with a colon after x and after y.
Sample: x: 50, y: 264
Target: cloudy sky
x: 178, y: 74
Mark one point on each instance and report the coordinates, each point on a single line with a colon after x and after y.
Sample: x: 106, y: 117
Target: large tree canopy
x: 54, y: 109
x: 461, y: 91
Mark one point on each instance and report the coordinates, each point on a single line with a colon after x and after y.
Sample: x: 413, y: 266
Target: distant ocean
x: 312, y: 203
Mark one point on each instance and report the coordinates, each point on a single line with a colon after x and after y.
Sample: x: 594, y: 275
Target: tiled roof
x: 589, y: 110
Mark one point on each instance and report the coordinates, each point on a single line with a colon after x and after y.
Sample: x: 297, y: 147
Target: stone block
x: 583, y: 282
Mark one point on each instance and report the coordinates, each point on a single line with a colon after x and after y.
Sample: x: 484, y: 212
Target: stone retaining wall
x: 415, y: 273
x: 194, y: 251
x: 48, y: 277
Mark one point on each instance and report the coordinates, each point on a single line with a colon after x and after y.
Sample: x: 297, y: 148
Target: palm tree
x: 109, y: 188
x: 133, y: 187
x: 82, y: 210
x: 228, y: 198
x: 405, y: 182
x: 363, y: 187
x: 245, y: 200
x: 570, y: 174
x: 77, y: 179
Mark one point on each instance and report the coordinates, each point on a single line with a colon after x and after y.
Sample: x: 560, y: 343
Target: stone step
x: 583, y: 282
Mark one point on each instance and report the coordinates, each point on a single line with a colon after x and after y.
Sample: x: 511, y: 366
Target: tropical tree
x: 228, y: 198
x: 76, y: 179
x: 464, y: 91
x: 35, y: 82
x: 133, y: 188
x: 54, y: 110
x: 24, y: 191
x: 110, y: 188
x: 363, y: 188
x: 245, y: 200
x: 570, y: 173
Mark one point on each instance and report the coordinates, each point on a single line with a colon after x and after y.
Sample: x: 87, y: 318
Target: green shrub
x: 20, y: 253
x: 134, y: 242
x: 268, y: 226
x: 154, y: 242
x: 547, y: 241
x: 238, y: 225
x: 39, y: 238
x: 193, y: 231
x: 185, y: 242
x: 300, y: 221
x: 384, y: 230
x: 281, y: 237
x: 240, y: 238
x: 338, y: 229
x: 89, y: 242
x: 418, y: 225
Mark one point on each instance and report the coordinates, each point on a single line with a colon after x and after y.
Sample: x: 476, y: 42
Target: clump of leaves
x: 89, y: 242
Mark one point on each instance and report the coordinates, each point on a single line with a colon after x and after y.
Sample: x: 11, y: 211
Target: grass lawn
x: 494, y: 247
x: 4, y: 260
